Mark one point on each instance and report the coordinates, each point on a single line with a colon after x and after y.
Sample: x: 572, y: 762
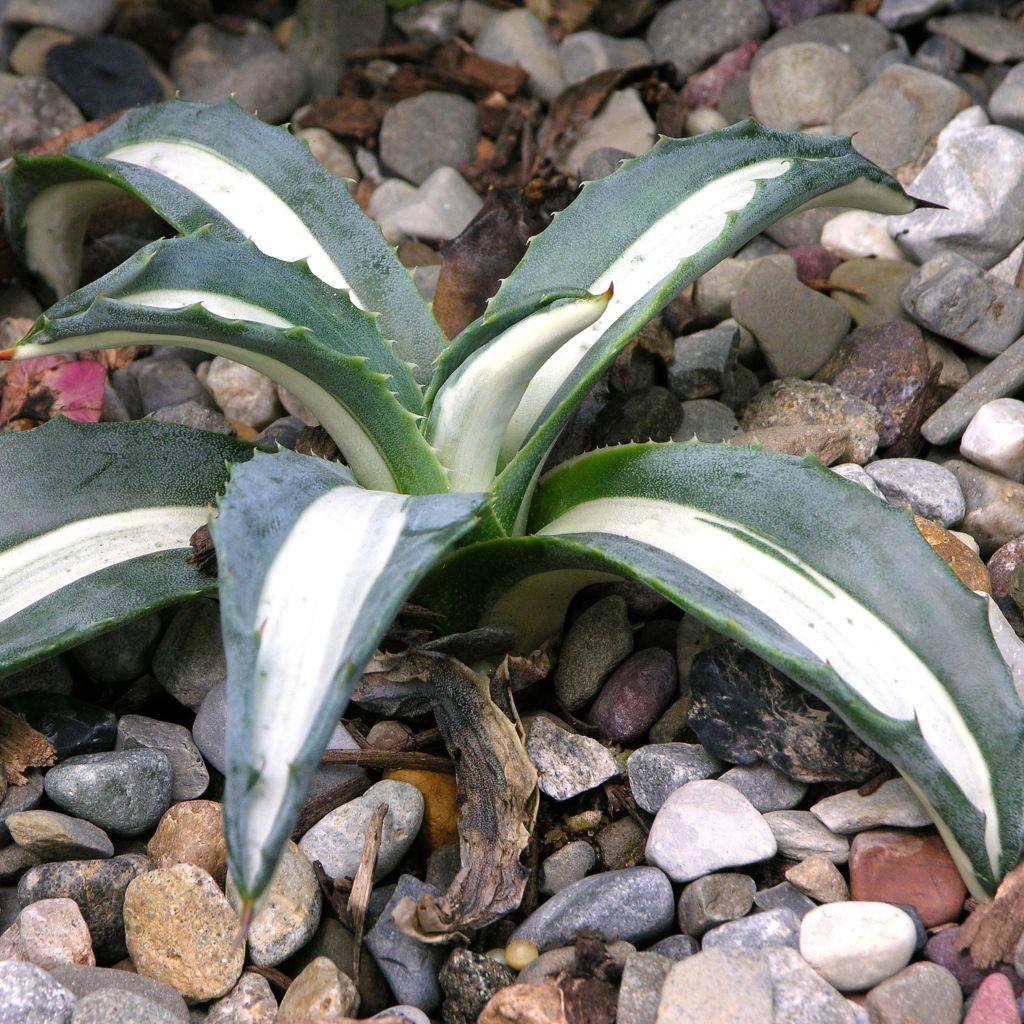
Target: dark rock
x: 122, y: 654
x: 791, y: 12
x: 769, y: 928
x: 102, y: 74
x: 188, y: 772
x: 784, y: 896
x: 659, y: 769
x: 703, y: 363
x: 941, y: 949
x: 635, y: 695
x: 284, y: 432
x: 193, y: 414
x: 468, y: 981
x: 651, y: 415
x: 73, y: 726
x: 887, y: 366
x: 98, y: 887
x: 621, y: 844
x: 744, y: 710
x: 25, y: 797
x: 676, y: 947
x: 714, y: 900
x: 81, y: 981
x: 593, y: 646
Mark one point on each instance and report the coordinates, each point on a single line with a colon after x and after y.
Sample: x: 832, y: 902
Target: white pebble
x: 994, y: 439
x: 242, y: 393
x: 857, y: 233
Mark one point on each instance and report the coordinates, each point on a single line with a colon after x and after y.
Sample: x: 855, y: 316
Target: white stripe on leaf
x: 226, y: 306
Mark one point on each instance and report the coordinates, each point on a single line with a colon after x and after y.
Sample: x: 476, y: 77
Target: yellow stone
x: 519, y: 953
x: 440, y: 804
x: 956, y: 554
x: 191, y: 832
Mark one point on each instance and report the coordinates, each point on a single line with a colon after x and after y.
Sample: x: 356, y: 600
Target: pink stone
x: 993, y: 1003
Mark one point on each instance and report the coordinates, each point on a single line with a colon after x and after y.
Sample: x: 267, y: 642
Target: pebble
x: 640, y: 988
x: 332, y: 155
x: 920, y: 992
x: 902, y: 867
x: 818, y: 877
x: 791, y: 402
x: 715, y: 290
x: 859, y: 37
x: 802, y: 85
x: 191, y: 832
x: 635, y: 695
x: 1000, y: 567
x: 321, y: 992
x: 192, y: 414
x: 109, y: 1006
x: 623, y: 122
x: 251, y: 1001
x: 47, y: 933
x: 56, y: 836
x: 706, y: 420
x: 653, y: 414
x: 585, y: 53
x: 704, y: 363
x: 993, y: 1003
x: 443, y: 865
x: 468, y: 981
x: 567, y: 763
x: 28, y: 995
x: 73, y: 726
x: 797, y: 329
x: 769, y: 928
x: 721, y: 827
x: 880, y: 281
x: 24, y: 797
x: 180, y: 929
x: 675, y: 947
x: 438, y: 210
x: 692, y: 33
x: 718, y: 986
x: 34, y: 110
x: 189, y: 777
x: 189, y: 662
x: 765, y: 787
x: 1006, y: 104
x: 243, y: 393
x: 988, y: 36
x: 978, y: 174
x: 659, y: 769
x: 81, y: 981
x: 97, y: 887
x: 856, y: 945
x: 800, y: 834
x: 537, y: 1003
x: 995, y: 506
x: 929, y: 489
x: 602, y: 162
x: 714, y: 900
x: 860, y: 233
x: 892, y: 803
x: 14, y: 862
x: 994, y: 439
x: 957, y: 299
x: 959, y: 551
x: 336, y: 840
x: 519, y: 37
x: 440, y: 804
x: 124, y: 792
x: 290, y: 912
x: 899, y: 112
x: 621, y: 844
x: 51, y: 676
x: 146, y: 385
x: 434, y: 21
x: 411, y: 967
x: 598, y: 641
x: 565, y: 866
x: 634, y: 904
x: 122, y: 654
x: 941, y: 949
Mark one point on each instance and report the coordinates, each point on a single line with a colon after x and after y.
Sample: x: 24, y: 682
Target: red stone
x: 994, y: 1003
x: 1002, y: 564
x: 904, y: 867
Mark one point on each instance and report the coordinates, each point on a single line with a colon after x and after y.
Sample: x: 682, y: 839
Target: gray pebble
x: 892, y: 804
x: 325, y: 31
x: 81, y: 981
x: 922, y: 991
x: 593, y: 646
x: 988, y: 36
x: 519, y: 37
x: 764, y: 786
x: 779, y: 927
x: 930, y: 490
x: 270, y: 85
x: 28, y: 995
x: 859, y: 37
x: 113, y: 1006
x: 565, y: 866
x: 634, y: 904
x: 32, y: 111
x: 25, y: 797
x: 122, y: 654
x: 410, y: 143
x: 659, y: 769
x: 706, y: 420
x: 784, y: 897
x: 194, y: 414
x: 79, y: 17
x: 800, y: 833
x: 692, y: 33
x: 567, y: 763
x: 995, y: 506
x: 55, y: 836
x: 1006, y: 105
x: 675, y: 947
x: 583, y: 54
x: 718, y: 986
x: 801, y: 996
x: 703, y: 363
x: 602, y: 162
x: 189, y: 662
x: 640, y: 988
x: 431, y: 21
x: 189, y: 775
x: 124, y: 792
x: 713, y: 900
x: 51, y: 676
x: 438, y: 210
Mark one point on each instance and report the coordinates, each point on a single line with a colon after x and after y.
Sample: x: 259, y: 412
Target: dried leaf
x: 38, y: 389
x: 22, y: 747
x: 995, y: 926
x: 362, y: 884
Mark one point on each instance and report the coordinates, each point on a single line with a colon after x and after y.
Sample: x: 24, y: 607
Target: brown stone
x: 1002, y: 564
x: 251, y: 1001
x: 827, y: 444
x: 816, y: 876
x: 49, y: 933
x: 191, y: 833
x: 440, y: 804
x: 181, y: 930
x: 539, y: 1003
x: 903, y: 867
x: 320, y: 993
x: 956, y: 554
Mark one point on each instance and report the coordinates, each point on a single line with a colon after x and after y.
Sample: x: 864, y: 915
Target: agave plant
x: 444, y: 442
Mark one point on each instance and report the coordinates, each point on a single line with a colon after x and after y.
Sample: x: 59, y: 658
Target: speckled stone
x: 800, y: 833
x: 930, y: 490
x: 567, y: 763
x: 713, y: 900
x: 779, y: 926
x: 765, y: 787
x: 48, y: 933
x: 180, y: 929
x: 922, y: 991
x: 565, y: 866
x: 110, y: 1006
x: 28, y: 995
x: 189, y: 777
x: 659, y: 769
x: 191, y: 832
x: 81, y: 981
x: 58, y: 836
x: 593, y: 646
x: 468, y: 981
x: 251, y: 1001
x: 819, y: 878
x: 321, y: 993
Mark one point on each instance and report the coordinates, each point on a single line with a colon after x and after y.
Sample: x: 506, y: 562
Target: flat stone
x: 191, y: 832
x: 675, y: 947
x: 800, y: 994
x: 783, y: 897
x: 892, y: 803
x: 714, y: 900
x: 55, y: 836
x: 796, y: 328
x: 519, y: 37
x: 565, y: 866
x: 122, y: 654
x: 98, y: 888
x: 899, y: 113
x: 800, y: 833
x: 765, y: 787
x: 922, y: 991
x: 856, y: 945
x: 180, y: 929
x: 901, y: 867
x: 861, y: 38
x: 994, y: 439
x: 567, y: 763
x: 585, y: 53
x: 124, y: 792
x: 707, y: 825
x: 706, y: 420
x: 826, y: 444
x: 623, y: 122
x: 336, y: 840
x: 410, y: 967
x: 659, y: 769
x: 321, y: 992
x: 1006, y: 104
x: 189, y: 777
x: 704, y: 363
x: 251, y: 1001
x: 593, y: 646
x: 818, y: 877
x: 541, y: 1002
x: 28, y: 995
x: 438, y: 210
x: 769, y: 928
x: 640, y: 988
x: 959, y: 551
x: 988, y: 36
x: 47, y: 933
x: 189, y: 662
x: 83, y: 981
x: 718, y: 986
x: 995, y: 506
x: 930, y: 490
x: 715, y: 290
x: 290, y: 911
x: 110, y: 1006
x: 24, y: 797
x: 900, y: 13
x: 692, y: 33
x: 73, y: 726
x: 634, y: 904
x: 468, y: 981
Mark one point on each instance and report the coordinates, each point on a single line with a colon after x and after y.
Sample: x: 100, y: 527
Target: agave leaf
x: 313, y: 570
x: 229, y: 299
x: 651, y: 228
x: 199, y: 165
x: 814, y: 574
x: 95, y: 521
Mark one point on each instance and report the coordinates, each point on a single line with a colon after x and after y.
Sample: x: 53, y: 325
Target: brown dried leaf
x: 995, y: 926
x: 22, y: 747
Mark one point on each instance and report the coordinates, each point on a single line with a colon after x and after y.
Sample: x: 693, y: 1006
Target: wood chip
x: 362, y: 884
x: 994, y: 927
x: 22, y: 747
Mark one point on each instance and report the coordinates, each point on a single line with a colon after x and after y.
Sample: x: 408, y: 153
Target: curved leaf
x: 95, y: 521
x: 313, y: 570
x: 199, y: 165
x: 817, y: 576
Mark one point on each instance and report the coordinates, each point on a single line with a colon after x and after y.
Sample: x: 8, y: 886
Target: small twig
x: 276, y: 978
x: 335, y: 894
x: 388, y: 759
x: 362, y: 884
x: 318, y: 806
x: 875, y: 783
